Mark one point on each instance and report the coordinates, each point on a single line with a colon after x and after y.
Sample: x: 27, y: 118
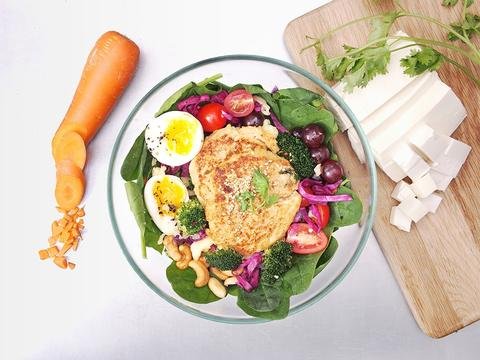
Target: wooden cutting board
x: 437, y: 264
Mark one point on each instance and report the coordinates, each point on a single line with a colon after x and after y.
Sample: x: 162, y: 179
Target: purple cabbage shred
x: 248, y: 272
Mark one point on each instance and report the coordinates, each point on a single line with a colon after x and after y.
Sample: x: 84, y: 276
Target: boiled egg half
x: 174, y: 138
x: 164, y: 195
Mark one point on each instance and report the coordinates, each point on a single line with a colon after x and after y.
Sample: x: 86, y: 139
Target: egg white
x: 157, y: 143
x: 167, y: 224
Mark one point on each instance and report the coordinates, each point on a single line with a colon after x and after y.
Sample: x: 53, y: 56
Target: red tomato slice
x: 324, y: 213
x: 211, y: 117
x: 239, y: 103
x: 305, y: 240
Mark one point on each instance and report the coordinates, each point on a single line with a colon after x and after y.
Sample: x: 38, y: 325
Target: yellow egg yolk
x: 168, y: 195
x: 179, y: 135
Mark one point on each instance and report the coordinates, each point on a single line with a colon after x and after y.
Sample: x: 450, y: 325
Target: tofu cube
x: 451, y: 161
x: 400, y: 220
x: 419, y: 169
x: 432, y: 202
x: 413, y: 209
x: 393, y: 171
x: 424, y: 186
x: 402, y: 191
x: 441, y: 180
x: 427, y: 143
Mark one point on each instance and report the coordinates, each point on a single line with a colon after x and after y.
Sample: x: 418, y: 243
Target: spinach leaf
x: 181, y: 93
x: 149, y: 232
x: 345, y: 213
x: 300, y: 276
x: 327, y: 255
x: 208, y: 86
x: 152, y: 234
x: 301, y: 95
x: 280, y: 312
x: 137, y: 206
x: 295, y: 114
x: 260, y: 91
x: 266, y: 297
x: 131, y: 167
x: 183, y: 283
x: 233, y: 290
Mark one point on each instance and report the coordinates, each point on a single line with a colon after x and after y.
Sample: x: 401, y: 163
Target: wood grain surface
x: 437, y: 264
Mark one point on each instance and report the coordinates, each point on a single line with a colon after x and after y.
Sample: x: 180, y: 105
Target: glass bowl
x: 247, y: 69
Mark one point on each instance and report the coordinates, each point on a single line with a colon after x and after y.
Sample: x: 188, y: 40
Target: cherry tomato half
x: 239, y: 103
x: 305, y: 240
x: 324, y: 212
x: 211, y: 117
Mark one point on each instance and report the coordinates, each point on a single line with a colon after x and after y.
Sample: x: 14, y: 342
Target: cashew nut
x: 228, y: 272
x: 218, y: 273
x: 200, y: 246
x: 201, y: 271
x: 230, y: 281
x: 172, y: 248
x: 203, y: 260
x: 182, y: 264
x: 217, y: 288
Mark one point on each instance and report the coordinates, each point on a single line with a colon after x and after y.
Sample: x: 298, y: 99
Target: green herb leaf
x: 246, y: 200
x: 327, y: 255
x: 131, y: 166
x: 266, y: 297
x: 280, y: 312
x: 345, y: 213
x: 300, y: 275
x: 183, y: 283
x: 261, y: 185
x: 449, y: 2
x: 420, y: 61
x: 469, y: 26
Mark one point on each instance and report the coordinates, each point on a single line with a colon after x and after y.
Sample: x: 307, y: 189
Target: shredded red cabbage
x: 190, y: 239
x: 258, y: 107
x: 323, y: 193
x: 185, y: 170
x: 249, y: 272
x: 192, y: 103
x: 232, y: 120
x: 275, y: 89
x: 219, y: 97
x: 277, y: 123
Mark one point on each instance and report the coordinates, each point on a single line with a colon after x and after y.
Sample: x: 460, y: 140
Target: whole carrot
x: 107, y: 72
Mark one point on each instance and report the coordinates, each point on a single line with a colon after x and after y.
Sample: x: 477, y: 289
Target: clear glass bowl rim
x: 369, y: 161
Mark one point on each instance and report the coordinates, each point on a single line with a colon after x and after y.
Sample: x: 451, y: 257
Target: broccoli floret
x: 276, y: 261
x: 224, y: 259
x: 192, y: 217
x: 294, y: 150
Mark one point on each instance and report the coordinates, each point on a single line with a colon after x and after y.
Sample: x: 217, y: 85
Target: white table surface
x: 102, y: 310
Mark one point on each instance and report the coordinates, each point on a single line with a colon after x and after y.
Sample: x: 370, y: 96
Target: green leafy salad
x: 209, y: 217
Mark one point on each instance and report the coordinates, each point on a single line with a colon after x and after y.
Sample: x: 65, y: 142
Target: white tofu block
x: 446, y: 118
x: 428, y: 143
x: 356, y: 144
x: 419, y: 169
x: 402, y: 191
x: 407, y: 160
x: 451, y: 161
x: 413, y: 208
x: 432, y: 202
x: 392, y: 170
x: 441, y: 180
x: 396, y: 104
x: 399, y: 219
x: 422, y: 108
x: 424, y: 186
x: 364, y: 101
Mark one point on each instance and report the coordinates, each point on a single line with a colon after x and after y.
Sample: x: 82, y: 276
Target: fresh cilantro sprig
x: 245, y: 199
x: 261, y: 187
x: 469, y: 26
x: 358, y: 66
x: 467, y: 3
x: 421, y: 61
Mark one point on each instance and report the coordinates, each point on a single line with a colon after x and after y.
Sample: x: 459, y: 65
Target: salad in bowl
x: 241, y: 188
